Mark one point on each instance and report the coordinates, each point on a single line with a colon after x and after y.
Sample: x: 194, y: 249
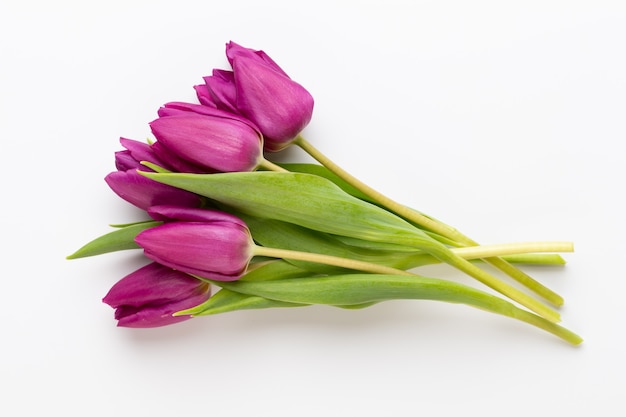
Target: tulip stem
x: 270, y: 166
x: 328, y: 260
x: 427, y: 222
x: 504, y: 249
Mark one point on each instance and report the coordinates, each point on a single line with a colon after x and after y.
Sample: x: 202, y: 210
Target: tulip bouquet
x: 227, y: 229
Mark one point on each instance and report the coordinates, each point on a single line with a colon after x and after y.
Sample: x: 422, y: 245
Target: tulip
x: 261, y: 91
x: 207, y: 243
x: 149, y: 296
x: 209, y: 142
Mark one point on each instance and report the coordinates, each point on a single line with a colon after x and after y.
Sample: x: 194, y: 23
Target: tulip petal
x: 233, y: 50
x: 221, y: 87
x: 144, y: 193
x: 169, y: 213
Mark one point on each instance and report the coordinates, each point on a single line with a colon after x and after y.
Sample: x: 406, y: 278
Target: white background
x: 504, y: 119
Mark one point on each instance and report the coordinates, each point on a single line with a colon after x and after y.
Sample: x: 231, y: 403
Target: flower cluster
x: 219, y: 213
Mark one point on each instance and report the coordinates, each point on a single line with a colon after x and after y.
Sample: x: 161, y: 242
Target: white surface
x: 504, y: 119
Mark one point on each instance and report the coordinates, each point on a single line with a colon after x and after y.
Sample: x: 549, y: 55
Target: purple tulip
x: 210, y: 142
x: 261, y: 91
x: 144, y: 193
x: 149, y: 296
x: 207, y: 243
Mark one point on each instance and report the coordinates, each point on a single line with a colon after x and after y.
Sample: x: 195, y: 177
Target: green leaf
x: 121, y: 239
x: 273, y: 270
x: 358, y: 289
x: 324, y: 172
x: 225, y: 301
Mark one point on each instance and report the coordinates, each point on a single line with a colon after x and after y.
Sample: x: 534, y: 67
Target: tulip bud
x: 207, y: 243
x: 149, y: 296
x: 210, y: 142
x: 261, y: 91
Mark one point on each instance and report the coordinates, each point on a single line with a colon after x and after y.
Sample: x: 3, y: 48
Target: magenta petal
x: 174, y: 108
x: 204, y: 95
x: 144, y: 193
x: 221, y: 87
x: 175, y: 163
x: 124, y: 161
x: 172, y: 213
x: 152, y: 283
x: 136, y: 152
x: 233, y: 50
x: 156, y: 315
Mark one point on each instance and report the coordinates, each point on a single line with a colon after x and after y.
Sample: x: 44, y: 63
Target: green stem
x: 427, y: 222
x: 536, y: 259
x: 270, y: 166
x: 504, y: 249
x: 327, y: 260
x: 500, y: 286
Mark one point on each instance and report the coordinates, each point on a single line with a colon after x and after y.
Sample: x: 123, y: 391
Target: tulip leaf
x: 225, y: 301
x: 122, y: 238
x: 358, y: 289
x: 322, y: 171
x: 273, y: 270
